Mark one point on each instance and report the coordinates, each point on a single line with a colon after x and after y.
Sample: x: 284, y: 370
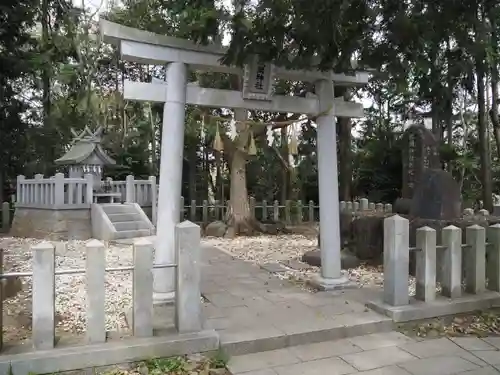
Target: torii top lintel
x: 149, y: 48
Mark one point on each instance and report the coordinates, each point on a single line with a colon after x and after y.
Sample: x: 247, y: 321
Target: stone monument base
x: 53, y: 225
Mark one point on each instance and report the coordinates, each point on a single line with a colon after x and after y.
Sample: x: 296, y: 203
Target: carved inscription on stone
x: 419, y: 153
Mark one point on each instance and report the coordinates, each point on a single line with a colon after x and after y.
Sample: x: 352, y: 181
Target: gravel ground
x: 70, y: 301
x: 71, y: 290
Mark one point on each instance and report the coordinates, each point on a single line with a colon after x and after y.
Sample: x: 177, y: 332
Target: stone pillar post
x: 329, y: 218
x: 172, y: 146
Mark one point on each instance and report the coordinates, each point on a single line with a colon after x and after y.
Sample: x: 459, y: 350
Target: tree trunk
x: 46, y: 82
x: 345, y: 159
x: 449, y: 101
x: 285, y: 178
x: 193, y: 161
x: 494, y: 90
x: 484, y: 144
x: 344, y: 127
x: 238, y: 217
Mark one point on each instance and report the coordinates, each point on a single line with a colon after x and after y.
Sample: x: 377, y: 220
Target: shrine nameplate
x: 258, y: 80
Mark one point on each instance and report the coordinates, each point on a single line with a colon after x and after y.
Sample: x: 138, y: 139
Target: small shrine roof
x: 83, y: 146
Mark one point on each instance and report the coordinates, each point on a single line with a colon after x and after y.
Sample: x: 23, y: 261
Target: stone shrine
x: 86, y: 155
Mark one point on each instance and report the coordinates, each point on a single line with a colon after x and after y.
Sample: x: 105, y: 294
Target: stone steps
x: 128, y: 221
x: 130, y: 225
x: 120, y: 218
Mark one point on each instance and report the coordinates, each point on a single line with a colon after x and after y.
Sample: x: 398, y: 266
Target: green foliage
x: 220, y: 359
x: 163, y: 366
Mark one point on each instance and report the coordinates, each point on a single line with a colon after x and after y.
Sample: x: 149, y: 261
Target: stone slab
x: 373, y: 359
x: 273, y: 267
x: 418, y: 310
x: 330, y: 366
x: 262, y: 360
x: 110, y: 353
x: 436, y: 196
x: 438, y: 366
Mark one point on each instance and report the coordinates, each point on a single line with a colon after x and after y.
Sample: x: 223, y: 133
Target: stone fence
x: 59, y: 192
x: 466, y: 274
x: 188, y: 306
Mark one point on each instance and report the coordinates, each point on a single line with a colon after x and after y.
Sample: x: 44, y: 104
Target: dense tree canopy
x: 436, y: 60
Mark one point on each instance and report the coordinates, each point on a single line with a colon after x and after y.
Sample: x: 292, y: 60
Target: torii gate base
x: 147, y: 48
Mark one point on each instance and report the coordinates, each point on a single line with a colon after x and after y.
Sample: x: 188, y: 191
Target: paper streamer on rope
x: 252, y: 150
x: 202, y: 129
x: 218, y: 145
x: 293, y: 145
x: 232, y: 129
x: 269, y: 135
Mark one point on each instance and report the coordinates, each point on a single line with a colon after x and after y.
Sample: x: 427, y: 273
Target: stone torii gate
x: 179, y: 54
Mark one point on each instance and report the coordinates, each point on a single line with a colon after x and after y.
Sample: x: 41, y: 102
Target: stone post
x: 493, y: 265
x: 90, y: 188
x: 43, y: 265
x: 349, y: 207
x: 329, y: 213
x: 452, y: 262
x: 355, y: 206
x: 5, y: 216
x: 142, y: 288
x: 363, y: 204
x: 426, y: 264
x: 276, y: 211
x: 59, y: 189
x: 204, y: 212
x: 192, y: 210
x: 154, y: 199
x: 181, y: 217
x: 188, y: 295
x: 396, y: 260
x: 379, y: 207
x: 288, y: 209
x: 371, y: 206
x: 129, y: 189
x: 172, y: 148
x: 388, y: 208
x: 20, y: 189
x: 95, y: 272
x: 299, y: 212
x: 475, y: 259
x: 311, y: 211
x: 342, y: 206
x: 251, y: 204
x: 38, y: 189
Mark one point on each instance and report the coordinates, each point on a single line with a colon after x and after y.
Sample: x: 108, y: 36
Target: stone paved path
x: 255, y: 311
x: 388, y: 353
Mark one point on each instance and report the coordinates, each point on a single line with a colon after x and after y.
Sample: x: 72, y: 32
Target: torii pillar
x: 331, y: 277
x: 169, y: 195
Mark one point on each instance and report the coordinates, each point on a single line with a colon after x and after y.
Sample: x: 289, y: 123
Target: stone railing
x: 56, y: 192
x: 467, y: 274
x: 292, y: 212
x: 188, y: 306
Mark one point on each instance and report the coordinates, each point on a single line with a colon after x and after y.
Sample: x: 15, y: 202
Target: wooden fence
x: 188, y: 303
x: 468, y: 273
